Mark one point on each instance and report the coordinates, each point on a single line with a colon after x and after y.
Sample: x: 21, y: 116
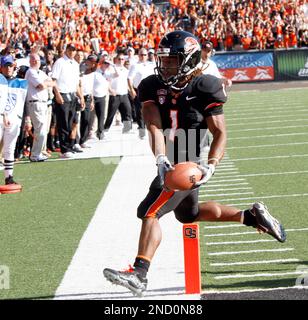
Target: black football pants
x: 121, y: 103
x: 65, y: 114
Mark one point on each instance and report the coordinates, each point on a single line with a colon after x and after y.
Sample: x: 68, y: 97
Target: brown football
x: 183, y: 177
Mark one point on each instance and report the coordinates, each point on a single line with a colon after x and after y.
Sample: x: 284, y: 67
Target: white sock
x: 8, y: 168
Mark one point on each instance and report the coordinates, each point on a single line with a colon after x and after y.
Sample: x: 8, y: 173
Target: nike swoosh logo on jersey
x: 190, y: 98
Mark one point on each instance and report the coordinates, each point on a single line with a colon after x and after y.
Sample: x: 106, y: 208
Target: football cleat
x: 266, y: 223
x: 129, y: 279
x: 10, y: 180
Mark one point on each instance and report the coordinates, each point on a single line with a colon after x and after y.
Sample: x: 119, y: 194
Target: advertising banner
x: 246, y: 67
x: 292, y: 64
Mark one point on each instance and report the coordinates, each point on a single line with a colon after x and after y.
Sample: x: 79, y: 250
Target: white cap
x: 104, y: 53
x: 131, y: 49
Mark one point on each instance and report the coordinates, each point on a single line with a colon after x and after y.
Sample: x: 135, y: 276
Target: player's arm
x: 152, y: 120
x: 217, y: 127
x: 215, y: 120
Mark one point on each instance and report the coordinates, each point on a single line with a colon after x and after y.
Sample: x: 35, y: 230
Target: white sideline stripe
x: 268, y: 128
x: 256, y: 275
x: 223, y: 253
x: 223, y: 194
x: 269, y: 145
x: 238, y: 242
x: 274, y: 157
x: 264, y: 122
x: 225, y: 226
x: 272, y: 135
x: 242, y: 263
x: 269, y: 197
x: 267, y: 117
x: 111, y: 240
x: 254, y: 290
x: 248, y: 232
x: 224, y: 189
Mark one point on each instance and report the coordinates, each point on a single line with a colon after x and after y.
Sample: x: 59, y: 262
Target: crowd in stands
x: 105, y: 45
x: 229, y: 24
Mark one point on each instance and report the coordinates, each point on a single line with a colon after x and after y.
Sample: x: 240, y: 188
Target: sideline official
x: 37, y: 105
x: 66, y: 73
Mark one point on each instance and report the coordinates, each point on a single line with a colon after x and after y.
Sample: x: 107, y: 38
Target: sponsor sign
x: 246, y: 67
x: 292, y: 64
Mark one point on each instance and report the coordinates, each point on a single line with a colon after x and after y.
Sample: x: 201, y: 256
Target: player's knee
x: 211, y: 210
x: 186, y: 217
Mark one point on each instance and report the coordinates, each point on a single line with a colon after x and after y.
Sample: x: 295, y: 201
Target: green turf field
x: 267, y: 160
x: 40, y: 228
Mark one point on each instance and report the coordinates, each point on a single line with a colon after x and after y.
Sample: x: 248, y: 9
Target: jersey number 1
x: 174, y: 124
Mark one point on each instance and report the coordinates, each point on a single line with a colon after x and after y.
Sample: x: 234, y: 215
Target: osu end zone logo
x: 190, y: 233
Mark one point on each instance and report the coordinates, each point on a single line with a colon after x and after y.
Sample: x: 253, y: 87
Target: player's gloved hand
x: 163, y: 166
x: 207, y: 172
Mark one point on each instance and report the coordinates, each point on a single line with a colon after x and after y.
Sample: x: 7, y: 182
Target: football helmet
x: 178, y: 56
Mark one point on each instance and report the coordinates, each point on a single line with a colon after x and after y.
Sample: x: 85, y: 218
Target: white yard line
x: 243, y: 263
x: 225, y: 226
x: 222, y: 173
x: 258, y: 275
x: 208, y: 190
x: 239, y: 204
x: 238, y: 242
x: 240, y: 124
x: 225, y: 185
x: 221, y: 168
x: 271, y: 136
x: 223, y: 253
x: 290, y: 156
x: 247, y: 111
x: 111, y: 240
x: 268, y: 128
x: 249, y: 232
x: 267, y: 174
x: 208, y: 194
x: 281, y: 196
x: 254, y: 290
x: 224, y: 180
x: 269, y: 145
x: 238, y: 119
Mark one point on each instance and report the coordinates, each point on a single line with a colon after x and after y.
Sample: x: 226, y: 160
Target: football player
x: 179, y: 104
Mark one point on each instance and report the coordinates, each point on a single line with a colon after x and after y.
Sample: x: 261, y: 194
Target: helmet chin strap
x: 173, y: 87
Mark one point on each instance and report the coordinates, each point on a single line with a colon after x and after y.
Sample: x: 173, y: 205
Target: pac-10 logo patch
x: 190, y: 233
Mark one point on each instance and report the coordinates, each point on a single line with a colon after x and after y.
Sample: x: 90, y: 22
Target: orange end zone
x: 192, y: 258
x: 10, y: 188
